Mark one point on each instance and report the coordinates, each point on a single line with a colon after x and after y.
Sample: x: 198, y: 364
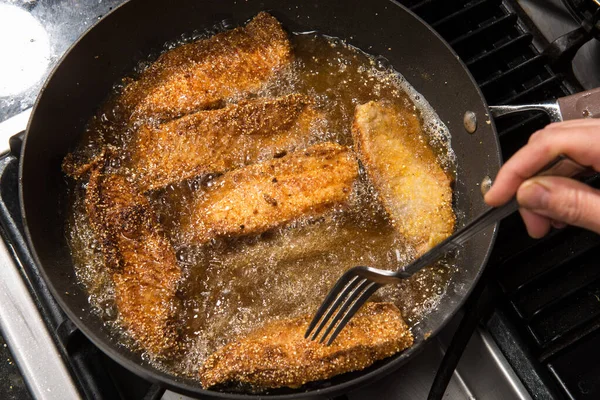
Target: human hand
x: 547, y: 201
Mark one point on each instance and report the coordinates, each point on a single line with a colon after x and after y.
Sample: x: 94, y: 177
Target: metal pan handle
x: 580, y: 105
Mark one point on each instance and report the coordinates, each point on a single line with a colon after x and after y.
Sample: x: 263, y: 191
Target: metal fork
x: 357, y: 284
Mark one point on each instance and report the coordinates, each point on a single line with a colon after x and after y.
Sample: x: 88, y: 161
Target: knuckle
x: 570, y: 208
x: 545, y: 146
x: 546, y: 140
x: 535, y: 137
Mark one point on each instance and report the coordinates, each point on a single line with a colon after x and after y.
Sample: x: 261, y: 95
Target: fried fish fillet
x: 278, y: 355
x: 413, y: 187
x: 262, y: 196
x: 202, y: 74
x: 145, y: 270
x: 215, y: 141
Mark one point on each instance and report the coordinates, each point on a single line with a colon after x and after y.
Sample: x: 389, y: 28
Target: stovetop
x: 512, y: 355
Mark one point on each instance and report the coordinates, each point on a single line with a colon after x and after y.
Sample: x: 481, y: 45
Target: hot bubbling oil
x: 232, y: 286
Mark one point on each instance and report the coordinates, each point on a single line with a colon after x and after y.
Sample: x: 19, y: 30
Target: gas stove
x: 514, y: 350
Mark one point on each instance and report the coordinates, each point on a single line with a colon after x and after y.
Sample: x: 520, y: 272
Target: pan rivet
x: 470, y: 121
x: 486, y: 184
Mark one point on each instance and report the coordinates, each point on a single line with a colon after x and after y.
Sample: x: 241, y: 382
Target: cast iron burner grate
x: 551, y: 304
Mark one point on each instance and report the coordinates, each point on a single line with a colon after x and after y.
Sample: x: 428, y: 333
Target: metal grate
x: 552, y: 292
x: 550, y: 289
x: 491, y: 39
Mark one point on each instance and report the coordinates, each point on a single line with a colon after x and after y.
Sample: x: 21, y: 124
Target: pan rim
x: 184, y: 385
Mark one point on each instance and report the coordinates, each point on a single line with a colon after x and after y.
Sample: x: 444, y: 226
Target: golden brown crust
x: 413, y: 187
x: 216, y: 141
x: 277, y: 355
x: 77, y: 166
x: 200, y: 75
x: 262, y: 196
x: 145, y: 270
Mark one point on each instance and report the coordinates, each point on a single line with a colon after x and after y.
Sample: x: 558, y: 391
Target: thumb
x: 563, y: 200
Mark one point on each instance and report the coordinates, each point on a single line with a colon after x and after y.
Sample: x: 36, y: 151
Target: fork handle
x: 459, y: 238
x: 562, y: 166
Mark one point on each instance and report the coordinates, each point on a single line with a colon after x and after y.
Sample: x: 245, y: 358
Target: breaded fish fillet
x: 145, y: 268
x: 258, y: 197
x: 278, y: 355
x: 202, y: 74
x: 413, y: 187
x: 215, y: 141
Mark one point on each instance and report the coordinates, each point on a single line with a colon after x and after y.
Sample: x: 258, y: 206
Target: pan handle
x: 552, y: 109
x: 580, y: 105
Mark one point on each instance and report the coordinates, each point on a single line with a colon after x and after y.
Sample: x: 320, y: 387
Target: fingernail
x: 533, y: 195
x: 558, y: 224
x: 489, y: 195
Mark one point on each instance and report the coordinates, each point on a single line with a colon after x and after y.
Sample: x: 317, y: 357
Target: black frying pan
x: 111, y: 49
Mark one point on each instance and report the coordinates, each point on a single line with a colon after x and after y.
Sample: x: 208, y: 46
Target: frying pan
x: 111, y: 49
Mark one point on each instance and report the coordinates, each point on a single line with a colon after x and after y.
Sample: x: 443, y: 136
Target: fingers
x: 563, y: 200
x: 577, y: 139
x: 537, y: 225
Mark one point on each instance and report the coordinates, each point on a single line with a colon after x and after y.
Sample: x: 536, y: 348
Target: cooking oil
x: 232, y: 286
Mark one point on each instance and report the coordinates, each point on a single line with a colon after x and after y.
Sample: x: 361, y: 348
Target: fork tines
x: 350, y: 292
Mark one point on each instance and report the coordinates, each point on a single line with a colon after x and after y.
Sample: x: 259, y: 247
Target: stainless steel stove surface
x: 56, y: 361
x: 35, y: 34
x: 553, y: 20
